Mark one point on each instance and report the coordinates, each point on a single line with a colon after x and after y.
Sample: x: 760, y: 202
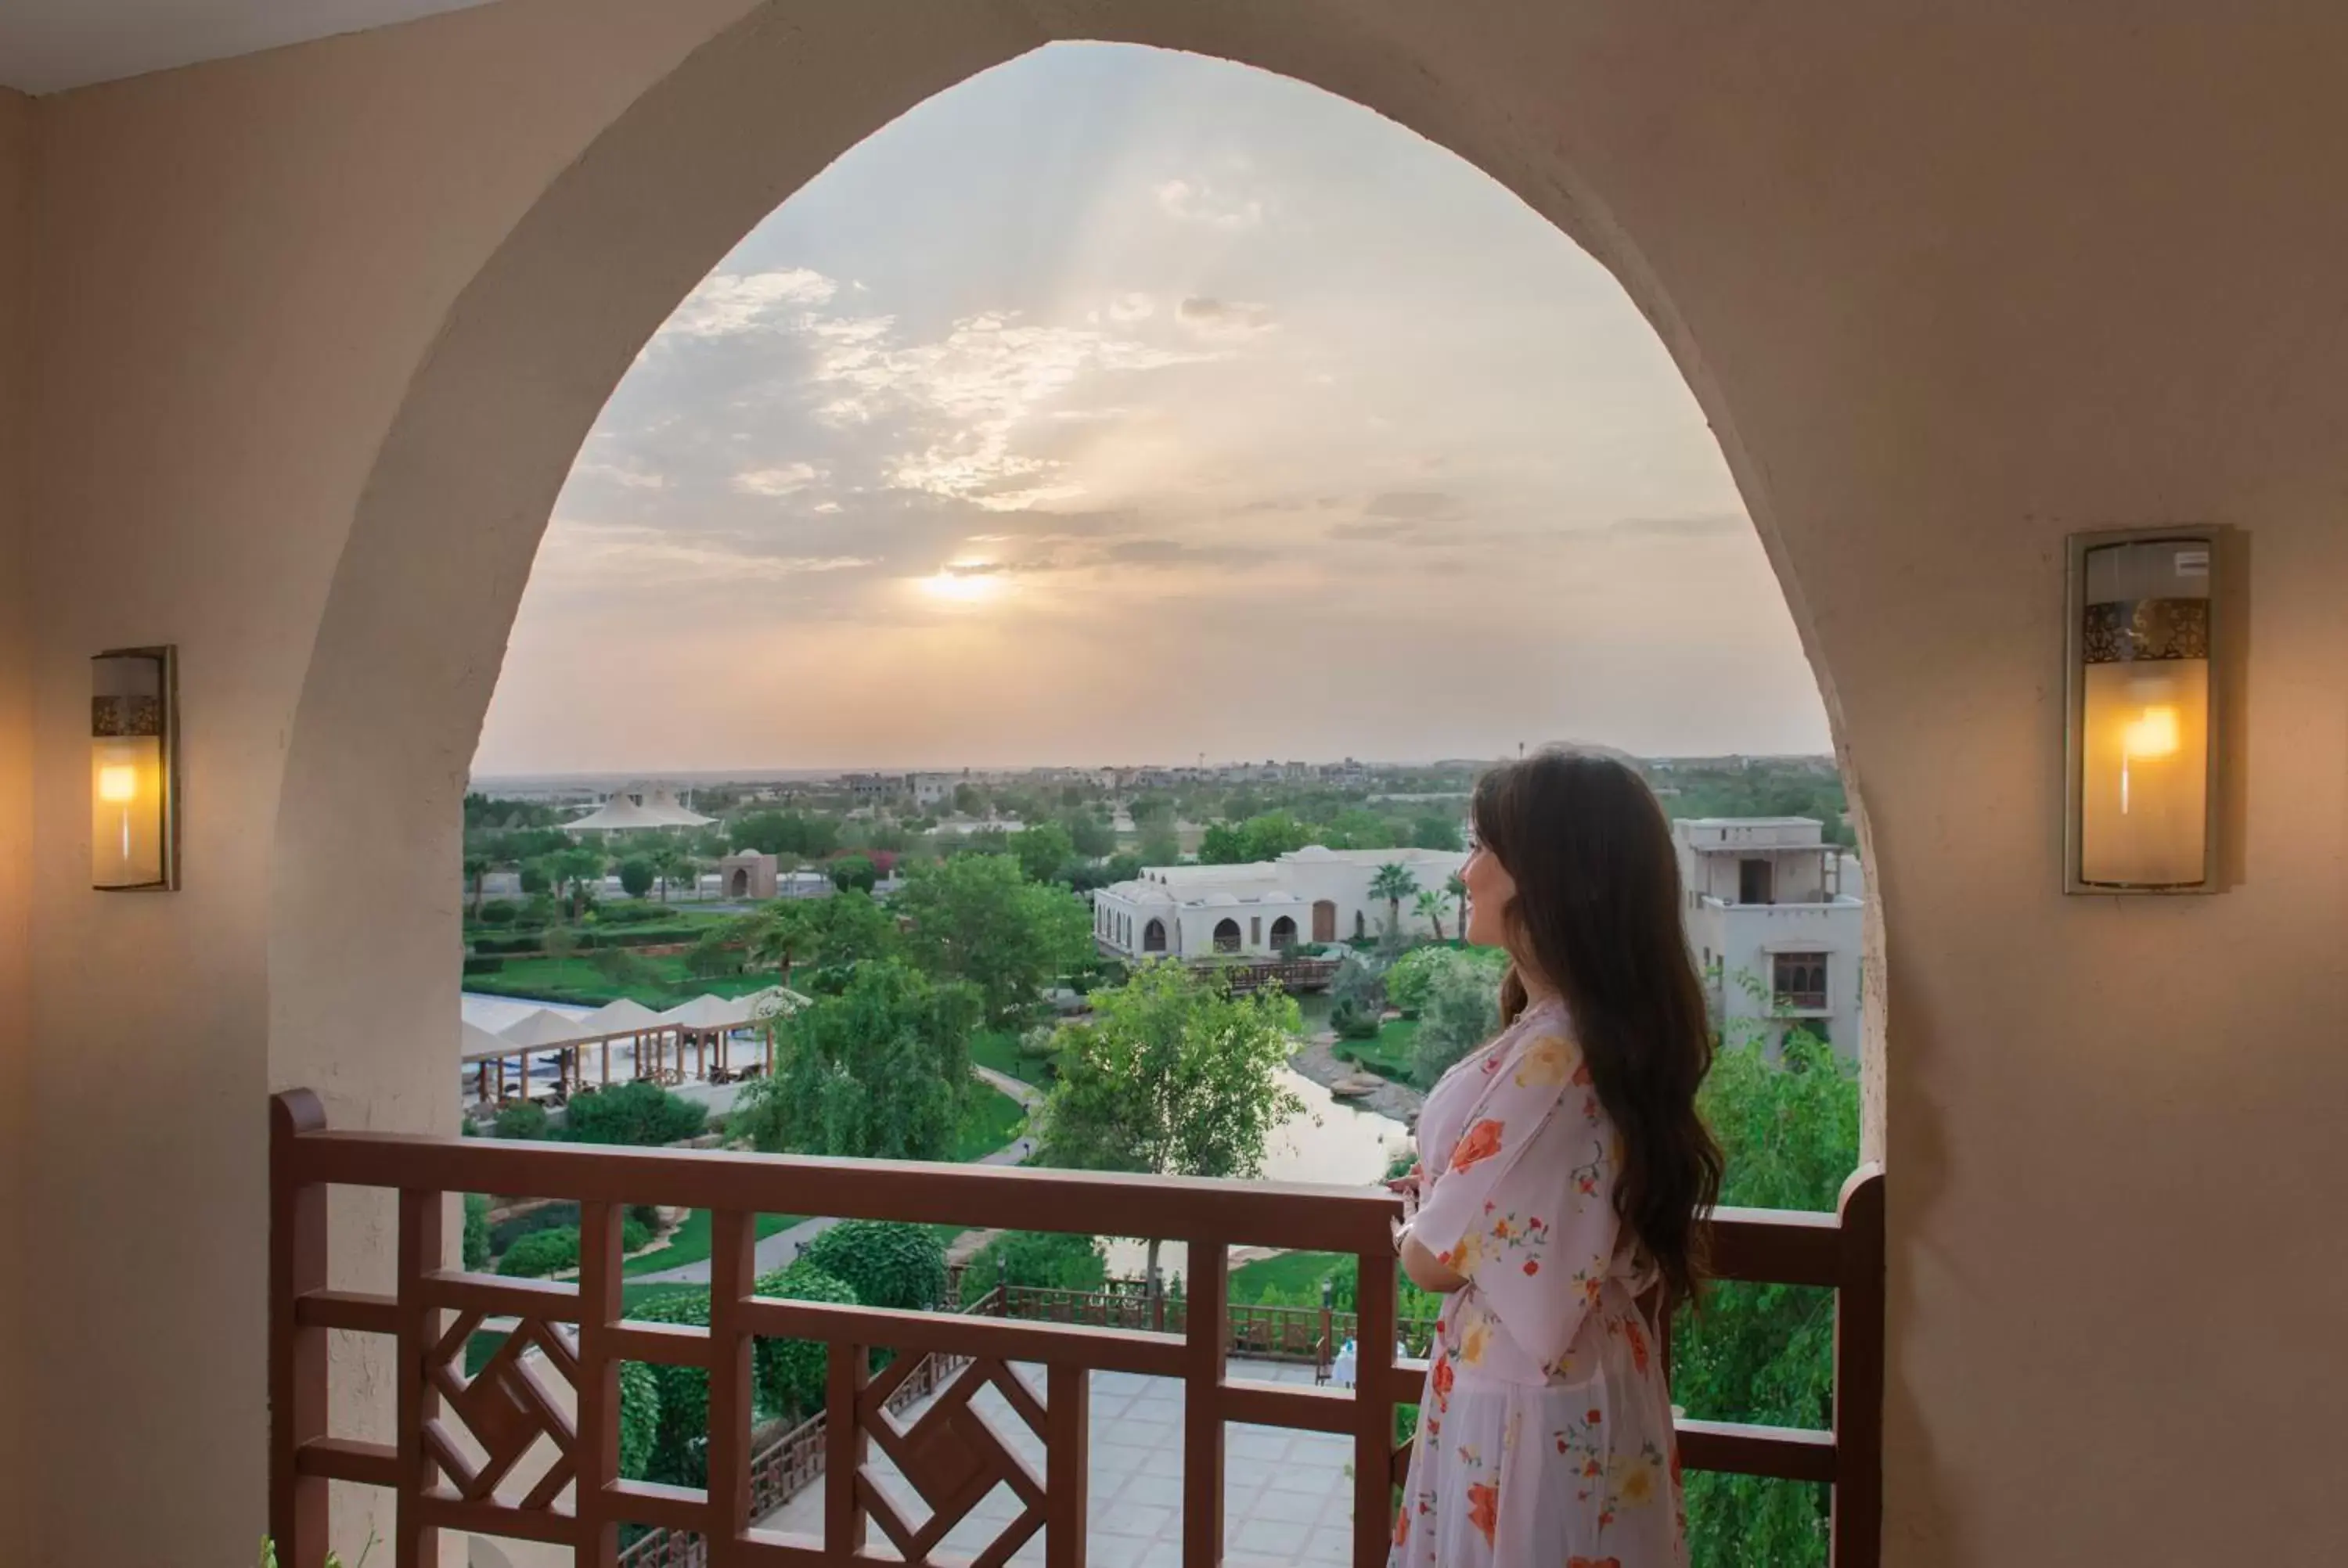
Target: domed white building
x: 1264, y: 907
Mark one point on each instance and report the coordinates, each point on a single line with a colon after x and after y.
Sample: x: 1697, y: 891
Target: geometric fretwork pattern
x: 953, y: 1459
x: 505, y: 1407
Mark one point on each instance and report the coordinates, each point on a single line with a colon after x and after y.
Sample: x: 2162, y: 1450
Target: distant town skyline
x: 1124, y: 405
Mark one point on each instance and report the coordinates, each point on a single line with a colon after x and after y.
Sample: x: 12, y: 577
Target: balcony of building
x: 967, y: 1434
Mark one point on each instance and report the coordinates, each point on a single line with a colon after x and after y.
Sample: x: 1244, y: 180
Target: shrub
x: 500, y: 912
x: 622, y: 968
x: 636, y: 875
x: 544, y: 1253
x: 634, y: 1235
x: 477, y: 1230
x: 1462, y: 1011
x: 639, y: 1419
x: 546, y: 1217
x: 645, y: 1214
x: 523, y: 1119
x: 680, y: 1447
x: 484, y: 965
x: 1052, y: 1260
x: 788, y: 1376
x: 886, y: 1264
x: 642, y: 1114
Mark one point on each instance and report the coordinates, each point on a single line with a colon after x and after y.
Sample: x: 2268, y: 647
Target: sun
x: 965, y: 582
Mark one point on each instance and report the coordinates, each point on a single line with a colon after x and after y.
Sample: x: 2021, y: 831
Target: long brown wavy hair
x: 1597, y: 915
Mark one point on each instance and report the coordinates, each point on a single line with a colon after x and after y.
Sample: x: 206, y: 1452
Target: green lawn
x: 994, y: 1120
x: 577, y: 979
x: 999, y: 1048
x: 1296, y: 1276
x: 689, y: 1242
x: 1389, y: 1055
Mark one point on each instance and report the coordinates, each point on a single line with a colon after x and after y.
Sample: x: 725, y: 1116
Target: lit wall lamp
x: 134, y: 770
x: 2141, y: 763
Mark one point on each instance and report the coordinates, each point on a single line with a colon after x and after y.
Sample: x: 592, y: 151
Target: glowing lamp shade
x: 134, y: 794
x: 2140, y: 744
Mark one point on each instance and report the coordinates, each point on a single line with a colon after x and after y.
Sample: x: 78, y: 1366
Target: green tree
x: 1160, y: 845
x: 978, y: 918
x: 1394, y: 883
x: 1041, y: 1260
x: 1437, y: 833
x: 1355, y: 828
x: 1462, y: 1011
x: 853, y: 873
x: 1430, y: 906
x: 788, y: 1376
x: 1456, y: 885
x: 969, y: 800
x: 1173, y: 1076
x: 879, y: 1072
x: 636, y: 875
x: 1764, y: 1353
x: 1091, y: 835
x: 901, y: 1267
x: 477, y: 871
x: 1044, y: 851
x: 673, y: 862
x: 574, y: 873
x: 642, y: 1114
x: 477, y: 1230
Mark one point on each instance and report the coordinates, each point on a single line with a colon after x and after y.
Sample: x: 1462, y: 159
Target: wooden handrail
x: 585, y: 1335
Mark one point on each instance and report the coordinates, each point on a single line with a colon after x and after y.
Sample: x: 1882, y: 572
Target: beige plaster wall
x: 319, y: 330
x: 15, y: 763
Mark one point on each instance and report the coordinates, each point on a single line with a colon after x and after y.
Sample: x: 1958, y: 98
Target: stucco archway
x: 445, y: 532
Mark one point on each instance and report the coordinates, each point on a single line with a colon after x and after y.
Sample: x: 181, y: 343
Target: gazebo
x: 641, y: 1027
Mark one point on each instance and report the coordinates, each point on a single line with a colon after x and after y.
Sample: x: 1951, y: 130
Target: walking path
x: 781, y: 1249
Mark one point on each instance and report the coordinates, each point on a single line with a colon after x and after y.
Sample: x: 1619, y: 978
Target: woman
x: 1563, y: 1168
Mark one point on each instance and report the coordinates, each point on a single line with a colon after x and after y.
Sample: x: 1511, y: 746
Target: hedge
x: 587, y: 941
x: 886, y: 1264
x: 487, y: 965
x: 642, y: 1219
x: 546, y: 1252
x: 523, y: 1119
x: 641, y: 1114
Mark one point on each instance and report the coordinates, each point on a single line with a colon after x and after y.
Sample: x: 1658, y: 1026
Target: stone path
x: 783, y: 1248
x: 1287, y: 1498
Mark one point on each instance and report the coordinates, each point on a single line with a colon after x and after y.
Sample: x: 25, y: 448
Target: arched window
x: 1284, y: 933
x: 1153, y: 937
x: 1227, y: 936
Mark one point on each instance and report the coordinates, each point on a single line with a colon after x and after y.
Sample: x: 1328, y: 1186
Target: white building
x: 933, y: 789
x: 1310, y: 894
x: 1774, y: 915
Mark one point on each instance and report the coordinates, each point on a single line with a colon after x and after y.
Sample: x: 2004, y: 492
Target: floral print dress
x: 1545, y: 1432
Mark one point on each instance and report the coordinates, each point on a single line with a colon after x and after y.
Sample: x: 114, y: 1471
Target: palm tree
x: 1456, y: 885
x: 1394, y: 883
x: 476, y: 870
x: 1430, y: 910
x: 671, y: 863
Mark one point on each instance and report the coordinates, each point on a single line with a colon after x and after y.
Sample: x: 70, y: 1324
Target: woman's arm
x: 1425, y: 1270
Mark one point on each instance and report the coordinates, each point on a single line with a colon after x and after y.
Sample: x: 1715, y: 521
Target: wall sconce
x: 2140, y: 763
x: 134, y: 770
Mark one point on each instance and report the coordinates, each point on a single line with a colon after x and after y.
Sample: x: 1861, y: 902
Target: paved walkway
x: 1287, y: 1498
x: 781, y: 1249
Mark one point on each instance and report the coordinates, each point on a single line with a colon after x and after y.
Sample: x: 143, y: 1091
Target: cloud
x: 779, y: 481
x: 1198, y: 203
x: 1412, y: 503
x: 629, y: 473
x: 1701, y: 526
x: 636, y: 557
x: 1227, y: 321
x: 1133, y: 307
x: 728, y: 304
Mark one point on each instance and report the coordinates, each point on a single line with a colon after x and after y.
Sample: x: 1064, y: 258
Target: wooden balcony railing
x: 505, y: 1411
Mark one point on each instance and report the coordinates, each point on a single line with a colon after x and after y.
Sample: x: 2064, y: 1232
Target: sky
x: 1122, y: 406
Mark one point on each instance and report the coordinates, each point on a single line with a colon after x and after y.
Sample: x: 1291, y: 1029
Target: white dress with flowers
x: 1545, y: 1432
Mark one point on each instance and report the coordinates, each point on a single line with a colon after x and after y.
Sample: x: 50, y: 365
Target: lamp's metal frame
x: 166, y: 657
x: 2075, y: 691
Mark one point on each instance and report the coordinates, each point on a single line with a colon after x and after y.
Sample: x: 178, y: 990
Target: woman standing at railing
x: 1568, y: 1169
